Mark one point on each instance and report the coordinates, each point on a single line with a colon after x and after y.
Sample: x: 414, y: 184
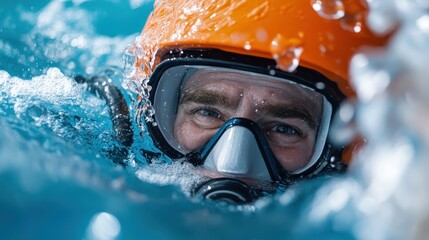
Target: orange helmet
x: 311, y: 34
x: 269, y: 29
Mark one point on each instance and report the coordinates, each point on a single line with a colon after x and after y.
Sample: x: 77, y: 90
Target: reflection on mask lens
x: 293, y: 118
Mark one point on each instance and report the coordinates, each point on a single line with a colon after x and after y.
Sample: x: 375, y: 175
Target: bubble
x: 329, y: 9
x: 71, y: 65
x: 286, y: 52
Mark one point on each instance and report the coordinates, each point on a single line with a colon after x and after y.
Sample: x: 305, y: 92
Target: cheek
x: 295, y: 157
x: 189, y: 136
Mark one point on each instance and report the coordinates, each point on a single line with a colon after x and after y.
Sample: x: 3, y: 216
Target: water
x: 58, y: 178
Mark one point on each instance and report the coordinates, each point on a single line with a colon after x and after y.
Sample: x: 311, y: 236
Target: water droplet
x: 352, y: 22
x: 259, y: 12
x: 247, y: 45
x: 286, y: 52
x: 323, y: 49
x: 320, y: 85
x: 329, y: 9
x: 261, y: 35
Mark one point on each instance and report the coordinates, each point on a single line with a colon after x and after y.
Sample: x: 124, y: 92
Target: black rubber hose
x: 118, y: 110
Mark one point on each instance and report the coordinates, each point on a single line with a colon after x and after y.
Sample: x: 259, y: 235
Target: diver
x: 245, y: 90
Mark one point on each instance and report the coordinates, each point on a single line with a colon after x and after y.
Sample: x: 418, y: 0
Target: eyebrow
x: 206, y: 97
x: 286, y: 111
x: 279, y: 111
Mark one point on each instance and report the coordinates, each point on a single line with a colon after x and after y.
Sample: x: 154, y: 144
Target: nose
x: 250, y: 108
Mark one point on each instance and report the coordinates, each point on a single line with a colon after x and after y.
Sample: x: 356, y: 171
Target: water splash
x: 383, y: 16
x: 369, y: 77
x: 136, y: 78
x: 181, y: 174
x: 62, y: 34
x: 385, y: 195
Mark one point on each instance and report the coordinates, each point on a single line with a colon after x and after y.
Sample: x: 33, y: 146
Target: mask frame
x: 215, y: 58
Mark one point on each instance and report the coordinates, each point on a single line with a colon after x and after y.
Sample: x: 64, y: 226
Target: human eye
x: 206, y: 112
x: 286, y: 130
x: 207, y: 117
x: 281, y: 133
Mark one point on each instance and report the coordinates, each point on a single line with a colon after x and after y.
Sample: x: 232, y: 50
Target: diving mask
x: 243, y: 122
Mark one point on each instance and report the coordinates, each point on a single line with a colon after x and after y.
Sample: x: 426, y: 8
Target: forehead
x: 238, y: 83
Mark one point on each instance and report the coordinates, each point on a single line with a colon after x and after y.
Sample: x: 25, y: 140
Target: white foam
x: 181, y: 174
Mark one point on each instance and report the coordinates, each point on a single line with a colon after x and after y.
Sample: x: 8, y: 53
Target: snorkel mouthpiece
x: 225, y: 190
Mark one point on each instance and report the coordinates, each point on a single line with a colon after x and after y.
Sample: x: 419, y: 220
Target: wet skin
x: 288, y: 114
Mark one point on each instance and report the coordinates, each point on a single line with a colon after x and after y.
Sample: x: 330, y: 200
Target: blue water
x: 57, y: 175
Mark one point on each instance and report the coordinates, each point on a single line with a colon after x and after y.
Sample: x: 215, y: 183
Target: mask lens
x: 193, y: 102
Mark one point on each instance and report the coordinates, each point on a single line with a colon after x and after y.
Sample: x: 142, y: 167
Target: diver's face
x: 288, y: 114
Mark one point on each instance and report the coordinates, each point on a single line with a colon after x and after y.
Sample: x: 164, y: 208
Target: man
x: 245, y: 90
